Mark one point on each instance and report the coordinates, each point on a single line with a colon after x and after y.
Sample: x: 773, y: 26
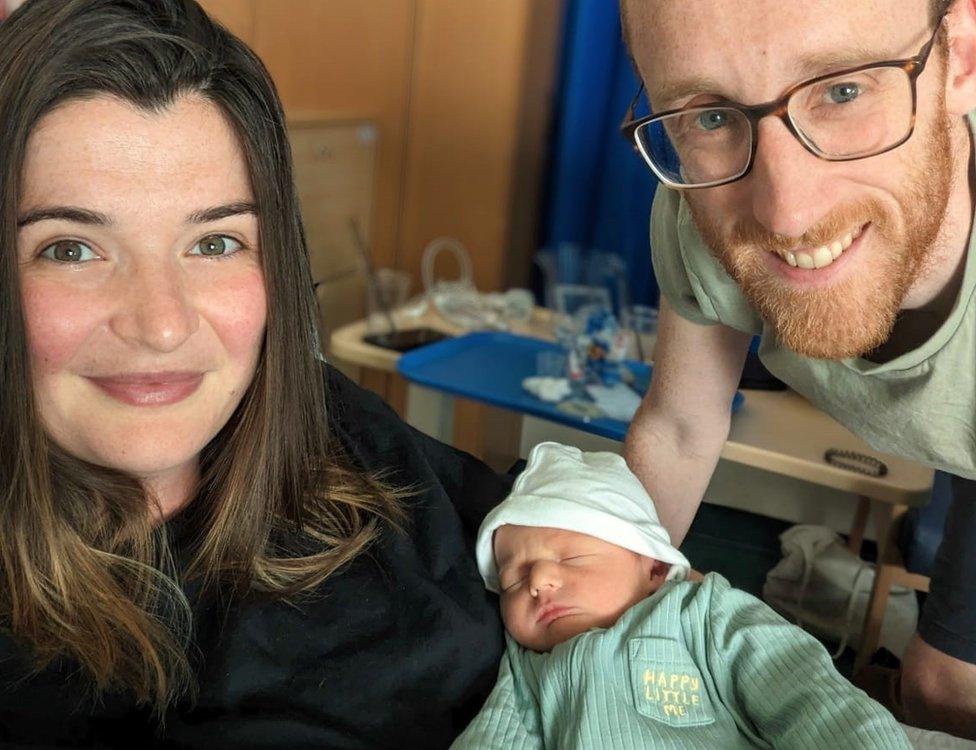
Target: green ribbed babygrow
x: 701, y: 666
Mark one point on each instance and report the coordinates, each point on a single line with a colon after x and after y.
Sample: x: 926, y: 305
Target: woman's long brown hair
x: 85, y: 573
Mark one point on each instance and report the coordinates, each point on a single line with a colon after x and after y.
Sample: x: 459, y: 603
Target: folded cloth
x: 590, y: 493
x: 617, y: 401
x: 548, y: 389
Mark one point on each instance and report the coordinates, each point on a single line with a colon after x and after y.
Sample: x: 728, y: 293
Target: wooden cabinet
x: 460, y: 94
x: 335, y: 176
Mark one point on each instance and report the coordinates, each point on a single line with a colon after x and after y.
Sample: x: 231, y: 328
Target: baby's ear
x: 658, y: 570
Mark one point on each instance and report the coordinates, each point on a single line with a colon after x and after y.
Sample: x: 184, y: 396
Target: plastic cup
x: 390, y: 291
x: 550, y: 364
x: 641, y: 323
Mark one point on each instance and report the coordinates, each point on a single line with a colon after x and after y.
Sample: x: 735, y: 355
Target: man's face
x: 882, y: 213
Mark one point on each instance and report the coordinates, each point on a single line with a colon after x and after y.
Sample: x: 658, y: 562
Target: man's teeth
x: 824, y: 255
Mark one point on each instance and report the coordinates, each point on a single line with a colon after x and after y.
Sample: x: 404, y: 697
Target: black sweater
x: 397, y: 650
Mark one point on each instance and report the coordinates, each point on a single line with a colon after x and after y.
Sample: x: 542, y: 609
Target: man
x: 830, y: 225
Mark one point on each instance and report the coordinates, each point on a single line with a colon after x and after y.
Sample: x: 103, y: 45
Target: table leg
x: 861, y: 515
x: 431, y: 412
x: 885, y: 571
x: 874, y: 616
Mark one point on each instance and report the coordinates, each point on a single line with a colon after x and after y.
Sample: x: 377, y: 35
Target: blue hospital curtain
x: 599, y: 189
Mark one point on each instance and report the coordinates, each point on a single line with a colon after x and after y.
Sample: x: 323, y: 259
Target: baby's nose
x: 545, y: 575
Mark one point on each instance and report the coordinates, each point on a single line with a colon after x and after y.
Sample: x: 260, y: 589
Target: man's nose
x: 788, y: 189
x: 544, y: 576
x: 154, y: 308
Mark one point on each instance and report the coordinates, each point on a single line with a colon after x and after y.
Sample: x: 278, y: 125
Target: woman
x: 192, y: 553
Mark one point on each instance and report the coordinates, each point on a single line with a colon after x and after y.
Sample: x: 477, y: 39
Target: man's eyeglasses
x: 841, y: 116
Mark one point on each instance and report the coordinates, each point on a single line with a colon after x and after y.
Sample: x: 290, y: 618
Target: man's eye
x: 68, y: 251
x: 216, y: 245
x: 841, y: 93
x: 713, y: 119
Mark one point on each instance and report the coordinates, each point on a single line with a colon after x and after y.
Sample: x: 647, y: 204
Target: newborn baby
x: 609, y: 646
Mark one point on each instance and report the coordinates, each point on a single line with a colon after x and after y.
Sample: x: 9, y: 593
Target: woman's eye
x: 216, y: 245
x: 69, y: 251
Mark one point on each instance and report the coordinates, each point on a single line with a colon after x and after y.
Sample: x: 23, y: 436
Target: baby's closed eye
x: 579, y: 559
x: 511, y: 579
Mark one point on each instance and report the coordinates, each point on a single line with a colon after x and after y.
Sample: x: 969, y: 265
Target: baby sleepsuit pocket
x: 667, y: 685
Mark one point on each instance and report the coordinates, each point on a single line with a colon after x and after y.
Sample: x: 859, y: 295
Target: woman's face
x: 142, y: 283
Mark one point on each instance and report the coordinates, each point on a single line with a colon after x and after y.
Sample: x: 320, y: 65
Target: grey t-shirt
x: 920, y: 405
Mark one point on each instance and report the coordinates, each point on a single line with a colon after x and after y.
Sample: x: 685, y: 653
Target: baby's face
x: 557, y: 584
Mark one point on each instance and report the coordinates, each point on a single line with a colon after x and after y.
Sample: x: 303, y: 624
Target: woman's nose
x: 544, y: 576
x: 154, y: 308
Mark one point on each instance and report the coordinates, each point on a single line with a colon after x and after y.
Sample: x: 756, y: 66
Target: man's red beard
x: 853, y: 316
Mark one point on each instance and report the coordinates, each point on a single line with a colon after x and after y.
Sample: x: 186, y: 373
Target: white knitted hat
x: 590, y: 493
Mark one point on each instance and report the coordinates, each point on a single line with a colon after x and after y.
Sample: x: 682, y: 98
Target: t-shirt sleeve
x: 784, y: 682
x: 669, y: 266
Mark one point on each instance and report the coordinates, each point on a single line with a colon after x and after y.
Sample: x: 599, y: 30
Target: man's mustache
x: 749, y: 233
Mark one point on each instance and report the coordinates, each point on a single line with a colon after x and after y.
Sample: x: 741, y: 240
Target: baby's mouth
x: 822, y: 256
x: 551, y: 613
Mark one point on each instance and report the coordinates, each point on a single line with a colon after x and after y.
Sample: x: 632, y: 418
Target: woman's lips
x: 149, y: 388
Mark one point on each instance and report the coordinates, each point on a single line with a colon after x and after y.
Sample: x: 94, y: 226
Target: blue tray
x: 491, y: 366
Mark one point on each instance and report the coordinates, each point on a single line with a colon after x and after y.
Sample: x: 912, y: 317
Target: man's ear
x: 961, y: 72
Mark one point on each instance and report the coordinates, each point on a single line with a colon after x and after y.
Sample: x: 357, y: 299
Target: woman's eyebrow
x: 64, y: 213
x: 94, y: 218
x: 222, y: 212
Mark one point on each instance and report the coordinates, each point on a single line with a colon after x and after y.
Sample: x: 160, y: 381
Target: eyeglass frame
x: 779, y: 107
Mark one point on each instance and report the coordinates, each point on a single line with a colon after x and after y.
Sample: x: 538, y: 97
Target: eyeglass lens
x: 849, y: 116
